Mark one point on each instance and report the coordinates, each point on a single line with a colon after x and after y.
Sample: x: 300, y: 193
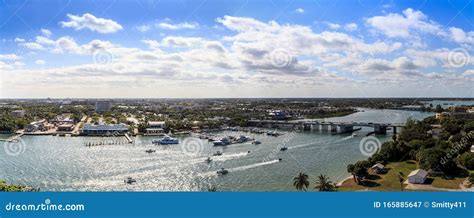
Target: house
x: 61, y: 119
x: 471, y: 110
x: 378, y: 168
x: 155, y: 128
x: 65, y: 128
x: 104, y: 129
x: 442, y: 115
x: 18, y: 113
x: 40, y: 125
x: 417, y: 176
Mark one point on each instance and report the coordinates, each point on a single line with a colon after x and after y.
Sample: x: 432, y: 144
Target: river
x: 55, y: 163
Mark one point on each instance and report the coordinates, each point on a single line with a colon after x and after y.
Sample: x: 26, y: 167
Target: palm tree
x: 401, y: 179
x: 301, y: 182
x: 324, y: 184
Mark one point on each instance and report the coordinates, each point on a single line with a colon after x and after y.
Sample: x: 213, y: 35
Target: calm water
x: 65, y: 164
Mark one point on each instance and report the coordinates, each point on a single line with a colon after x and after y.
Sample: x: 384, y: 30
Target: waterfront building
x: 155, y: 128
x: 102, y: 106
x: 104, y: 129
x: 417, y: 176
x: 442, y: 115
x: 40, y: 125
x: 65, y: 128
x: 61, y: 119
x: 18, y: 113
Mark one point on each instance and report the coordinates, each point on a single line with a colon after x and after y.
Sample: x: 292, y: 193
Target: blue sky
x: 270, y: 48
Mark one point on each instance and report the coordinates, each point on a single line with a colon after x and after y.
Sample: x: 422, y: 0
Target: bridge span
x: 332, y: 127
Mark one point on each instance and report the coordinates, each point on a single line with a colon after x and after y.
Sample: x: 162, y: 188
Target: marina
x: 54, y: 163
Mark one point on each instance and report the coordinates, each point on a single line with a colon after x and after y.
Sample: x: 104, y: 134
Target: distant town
x: 434, y: 153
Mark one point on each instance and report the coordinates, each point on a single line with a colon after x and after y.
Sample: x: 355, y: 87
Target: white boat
x: 167, y: 140
x: 223, y: 142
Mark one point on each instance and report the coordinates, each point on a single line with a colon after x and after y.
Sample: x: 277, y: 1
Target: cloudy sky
x: 261, y: 48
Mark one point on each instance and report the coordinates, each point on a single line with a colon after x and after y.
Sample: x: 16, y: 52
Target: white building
x: 417, y: 176
x: 155, y: 128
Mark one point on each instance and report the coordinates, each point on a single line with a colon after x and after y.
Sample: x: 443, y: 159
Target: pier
x: 13, y: 138
x: 332, y: 127
x: 129, y: 139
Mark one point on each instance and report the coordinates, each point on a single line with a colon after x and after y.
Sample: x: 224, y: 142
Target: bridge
x: 332, y: 127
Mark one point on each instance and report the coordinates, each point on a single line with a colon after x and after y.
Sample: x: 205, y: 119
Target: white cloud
x: 459, y: 36
x: 350, y: 27
x: 468, y: 73
x: 143, y: 28
x: 40, y: 62
x: 299, y: 11
x: 19, y: 39
x: 47, y: 33
x: 33, y: 46
x: 177, y: 26
x: 404, y: 25
x: 333, y: 26
x: 89, y: 21
x: 10, y: 57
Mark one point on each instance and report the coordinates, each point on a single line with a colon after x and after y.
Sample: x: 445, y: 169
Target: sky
x: 260, y: 48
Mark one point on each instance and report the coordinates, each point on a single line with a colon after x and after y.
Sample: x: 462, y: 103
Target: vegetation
x: 324, y: 184
x: 4, y: 187
x: 301, y: 182
x: 443, y: 151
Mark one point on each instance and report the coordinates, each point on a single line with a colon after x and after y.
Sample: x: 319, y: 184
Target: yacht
x: 223, y: 142
x: 167, y: 140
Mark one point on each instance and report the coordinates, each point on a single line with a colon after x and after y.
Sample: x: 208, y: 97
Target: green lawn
x: 390, y: 182
x: 381, y: 182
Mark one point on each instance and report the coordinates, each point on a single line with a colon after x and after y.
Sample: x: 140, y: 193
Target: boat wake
x: 241, y: 168
x: 301, y: 145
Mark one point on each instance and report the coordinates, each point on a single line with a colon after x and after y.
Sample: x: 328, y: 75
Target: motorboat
x: 222, y: 171
x: 129, y: 180
x: 256, y: 142
x: 280, y: 159
x: 166, y: 140
x: 208, y: 160
x: 218, y: 153
x: 353, y: 135
x: 222, y: 142
x: 243, y: 139
x: 283, y: 148
x: 149, y: 151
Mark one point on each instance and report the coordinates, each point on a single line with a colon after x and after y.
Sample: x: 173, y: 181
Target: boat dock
x: 13, y: 138
x: 129, y: 139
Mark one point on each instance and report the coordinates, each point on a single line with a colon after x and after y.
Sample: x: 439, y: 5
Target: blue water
x: 64, y: 164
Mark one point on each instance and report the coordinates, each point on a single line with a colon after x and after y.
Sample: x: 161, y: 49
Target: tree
x: 301, y: 182
x: 467, y: 160
x: 324, y: 184
x: 439, y: 109
x: 401, y: 179
x: 359, y: 170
